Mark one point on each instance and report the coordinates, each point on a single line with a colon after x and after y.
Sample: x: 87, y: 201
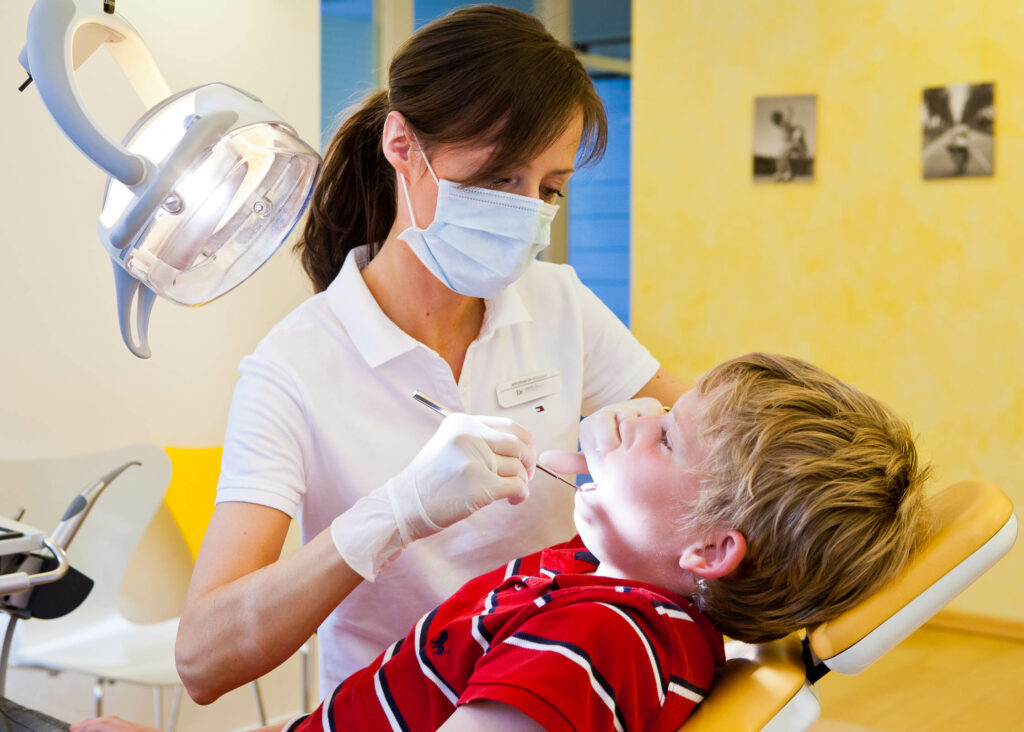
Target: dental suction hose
x: 16, y: 596
x: 82, y: 504
x: 28, y: 577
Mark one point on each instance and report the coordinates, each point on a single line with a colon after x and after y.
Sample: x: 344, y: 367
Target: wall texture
x: 910, y: 289
x: 67, y: 384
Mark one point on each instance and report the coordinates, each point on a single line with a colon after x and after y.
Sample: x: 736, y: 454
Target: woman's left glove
x: 599, y: 434
x: 468, y: 463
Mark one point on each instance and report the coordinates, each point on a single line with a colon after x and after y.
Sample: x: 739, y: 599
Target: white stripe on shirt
x: 427, y: 671
x: 579, y: 661
x: 658, y: 683
x: 384, y: 704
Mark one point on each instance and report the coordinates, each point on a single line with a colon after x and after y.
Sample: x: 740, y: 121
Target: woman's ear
x: 715, y: 557
x: 398, y: 143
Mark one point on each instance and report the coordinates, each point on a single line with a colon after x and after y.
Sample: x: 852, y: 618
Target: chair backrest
x: 973, y: 526
x: 110, y: 533
x: 193, y: 488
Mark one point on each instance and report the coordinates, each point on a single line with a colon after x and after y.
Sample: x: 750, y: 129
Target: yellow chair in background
x: 192, y: 491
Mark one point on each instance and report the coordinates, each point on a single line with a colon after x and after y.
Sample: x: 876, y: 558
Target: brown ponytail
x: 354, y: 201
x: 483, y: 74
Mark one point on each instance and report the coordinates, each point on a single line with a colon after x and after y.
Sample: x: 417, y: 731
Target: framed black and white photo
x: 784, y: 138
x: 958, y: 131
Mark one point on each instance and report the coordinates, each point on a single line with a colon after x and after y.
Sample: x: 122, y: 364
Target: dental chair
x: 770, y: 686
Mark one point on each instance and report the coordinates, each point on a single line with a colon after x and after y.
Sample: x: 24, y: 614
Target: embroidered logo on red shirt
x: 437, y: 645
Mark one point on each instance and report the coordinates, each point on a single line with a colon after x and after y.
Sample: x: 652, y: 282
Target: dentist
x: 435, y: 198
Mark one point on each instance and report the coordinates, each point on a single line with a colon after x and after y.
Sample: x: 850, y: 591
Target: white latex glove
x: 468, y: 463
x: 599, y: 434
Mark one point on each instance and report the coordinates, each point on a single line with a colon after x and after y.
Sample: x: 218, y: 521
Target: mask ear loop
x: 405, y: 186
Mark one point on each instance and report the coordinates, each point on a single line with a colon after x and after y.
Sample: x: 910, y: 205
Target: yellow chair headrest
x: 962, y: 544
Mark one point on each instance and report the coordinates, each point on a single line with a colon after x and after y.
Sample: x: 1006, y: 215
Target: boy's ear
x: 716, y: 557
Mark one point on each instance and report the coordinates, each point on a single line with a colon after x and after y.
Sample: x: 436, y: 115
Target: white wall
x: 67, y: 383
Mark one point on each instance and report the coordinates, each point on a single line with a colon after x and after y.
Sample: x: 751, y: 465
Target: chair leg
x: 158, y: 712
x: 262, y: 715
x: 175, y: 704
x: 97, y: 698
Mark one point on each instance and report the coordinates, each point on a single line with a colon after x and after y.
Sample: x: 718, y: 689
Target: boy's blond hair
x: 823, y: 482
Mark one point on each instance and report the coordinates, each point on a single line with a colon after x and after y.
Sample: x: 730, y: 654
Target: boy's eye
x: 664, y: 438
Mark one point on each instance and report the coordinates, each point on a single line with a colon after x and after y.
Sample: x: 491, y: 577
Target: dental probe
x: 444, y: 412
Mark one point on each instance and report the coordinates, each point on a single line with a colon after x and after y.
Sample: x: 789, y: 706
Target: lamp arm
x: 61, y: 35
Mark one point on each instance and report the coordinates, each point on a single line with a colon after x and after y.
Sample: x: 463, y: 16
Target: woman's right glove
x: 468, y: 463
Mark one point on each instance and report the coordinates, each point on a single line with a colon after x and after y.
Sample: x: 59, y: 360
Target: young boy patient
x: 770, y: 498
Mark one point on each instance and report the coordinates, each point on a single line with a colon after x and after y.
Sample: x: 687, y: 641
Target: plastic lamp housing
x: 204, y: 188
x: 229, y: 181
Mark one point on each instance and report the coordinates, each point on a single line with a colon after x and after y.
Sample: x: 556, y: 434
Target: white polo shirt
x: 322, y: 414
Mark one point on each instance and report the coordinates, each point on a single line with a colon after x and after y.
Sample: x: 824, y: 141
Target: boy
x: 770, y: 498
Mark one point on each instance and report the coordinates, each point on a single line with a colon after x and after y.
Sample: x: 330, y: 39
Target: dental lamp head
x: 202, y: 190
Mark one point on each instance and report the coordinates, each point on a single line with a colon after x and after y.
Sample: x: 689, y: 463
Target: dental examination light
x: 204, y: 188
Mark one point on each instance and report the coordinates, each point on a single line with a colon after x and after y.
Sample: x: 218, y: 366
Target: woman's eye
x: 550, y: 194
x: 499, y: 182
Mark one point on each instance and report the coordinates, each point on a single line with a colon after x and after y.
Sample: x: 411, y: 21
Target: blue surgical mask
x: 480, y: 240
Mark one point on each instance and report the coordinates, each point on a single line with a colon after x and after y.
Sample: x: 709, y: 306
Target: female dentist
x: 435, y: 198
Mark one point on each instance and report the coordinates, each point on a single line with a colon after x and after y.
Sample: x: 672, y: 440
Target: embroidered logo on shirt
x: 437, y: 645
x: 539, y: 408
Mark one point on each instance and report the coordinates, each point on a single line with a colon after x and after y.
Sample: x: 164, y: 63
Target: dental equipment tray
x: 18, y: 538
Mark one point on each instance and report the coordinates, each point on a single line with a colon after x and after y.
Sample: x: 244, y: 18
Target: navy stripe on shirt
x: 585, y: 556
x: 392, y: 704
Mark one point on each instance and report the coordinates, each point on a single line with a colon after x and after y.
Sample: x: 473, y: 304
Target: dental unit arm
x: 33, y: 585
x: 204, y: 188
x: 19, y: 542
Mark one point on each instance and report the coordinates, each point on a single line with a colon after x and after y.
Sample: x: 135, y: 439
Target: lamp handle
x: 60, y: 36
x: 132, y: 293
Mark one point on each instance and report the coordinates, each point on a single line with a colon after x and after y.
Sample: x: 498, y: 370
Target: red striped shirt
x: 570, y: 649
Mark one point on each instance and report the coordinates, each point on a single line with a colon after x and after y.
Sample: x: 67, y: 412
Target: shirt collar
x: 376, y: 336
x: 505, y: 308
x: 373, y: 333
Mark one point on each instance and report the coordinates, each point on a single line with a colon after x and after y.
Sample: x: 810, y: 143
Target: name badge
x: 530, y: 387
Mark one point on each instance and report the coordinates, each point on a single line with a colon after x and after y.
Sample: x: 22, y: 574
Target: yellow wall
x: 912, y: 290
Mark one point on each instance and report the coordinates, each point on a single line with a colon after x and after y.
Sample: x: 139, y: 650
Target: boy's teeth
x: 587, y: 487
